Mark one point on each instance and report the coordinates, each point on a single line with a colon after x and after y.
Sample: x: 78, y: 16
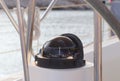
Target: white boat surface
x: 110, y: 53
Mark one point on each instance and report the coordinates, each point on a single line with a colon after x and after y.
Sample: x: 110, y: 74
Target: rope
x: 36, y: 35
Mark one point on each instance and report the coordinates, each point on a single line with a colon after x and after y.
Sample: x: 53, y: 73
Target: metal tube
x: 22, y: 39
x: 31, y: 13
x: 9, y: 15
x: 97, y: 47
x: 48, y: 9
x: 106, y: 14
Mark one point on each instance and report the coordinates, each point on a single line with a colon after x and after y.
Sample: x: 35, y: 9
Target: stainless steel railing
x: 97, y: 47
x: 22, y: 41
x: 96, y: 5
x: 3, y: 4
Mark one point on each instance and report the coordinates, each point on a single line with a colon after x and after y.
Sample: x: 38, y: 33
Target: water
x: 55, y: 24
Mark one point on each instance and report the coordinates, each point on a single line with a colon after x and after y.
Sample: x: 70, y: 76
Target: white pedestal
x: 76, y: 74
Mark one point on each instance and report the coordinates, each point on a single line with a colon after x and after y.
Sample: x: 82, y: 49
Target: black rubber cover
x: 64, y: 63
x: 78, y: 44
x: 59, y: 63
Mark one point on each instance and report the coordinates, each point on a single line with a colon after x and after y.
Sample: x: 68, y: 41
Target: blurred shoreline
x: 60, y: 4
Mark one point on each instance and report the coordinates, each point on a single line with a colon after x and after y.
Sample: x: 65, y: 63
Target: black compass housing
x: 62, y: 52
